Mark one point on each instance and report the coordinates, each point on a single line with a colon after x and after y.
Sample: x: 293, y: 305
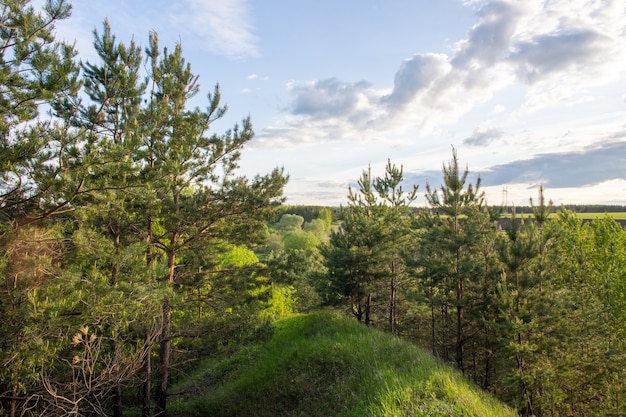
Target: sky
x: 526, y: 92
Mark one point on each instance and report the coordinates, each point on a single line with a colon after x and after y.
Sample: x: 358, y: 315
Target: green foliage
x: 581, y: 340
x: 324, y: 365
x: 326, y: 216
x: 300, y: 240
x: 37, y: 154
x: 154, y: 210
x: 292, y: 256
x: 347, y: 259
x: 365, y: 255
x: 298, y: 268
x: 282, y: 303
x: 455, y: 265
x: 308, y: 213
x: 319, y: 228
x: 289, y: 223
x: 238, y: 256
x: 29, y: 270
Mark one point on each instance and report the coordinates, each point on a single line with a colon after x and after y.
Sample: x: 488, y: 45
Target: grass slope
x: 326, y: 365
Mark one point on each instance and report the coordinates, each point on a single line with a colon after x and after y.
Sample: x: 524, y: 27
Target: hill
x: 325, y: 365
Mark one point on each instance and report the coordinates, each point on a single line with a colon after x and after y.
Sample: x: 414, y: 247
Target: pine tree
x: 117, y: 202
x: 577, y: 370
x: 518, y: 249
x: 40, y: 174
x: 455, y: 234
x: 365, y: 257
x: 39, y: 156
x: 193, y: 177
x: 395, y: 206
x: 136, y: 173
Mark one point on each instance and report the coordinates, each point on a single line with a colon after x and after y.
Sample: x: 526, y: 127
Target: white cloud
x: 224, y: 26
x: 499, y: 109
x: 490, y: 37
x: 565, y: 47
x: 551, y: 52
x: 519, y: 57
x: 483, y: 136
x: 415, y: 77
x: 328, y: 98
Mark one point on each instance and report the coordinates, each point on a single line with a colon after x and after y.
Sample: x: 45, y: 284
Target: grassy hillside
x: 325, y: 365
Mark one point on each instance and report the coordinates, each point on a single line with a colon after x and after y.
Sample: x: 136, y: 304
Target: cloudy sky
x: 528, y: 92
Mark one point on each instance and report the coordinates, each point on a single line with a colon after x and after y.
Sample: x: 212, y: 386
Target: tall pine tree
x: 455, y: 236
x: 193, y: 175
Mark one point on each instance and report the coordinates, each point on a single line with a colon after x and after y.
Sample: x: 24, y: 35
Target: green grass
x: 589, y: 216
x: 326, y: 365
x: 592, y: 216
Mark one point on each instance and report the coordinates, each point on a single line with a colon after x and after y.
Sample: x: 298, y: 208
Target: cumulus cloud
x: 590, y: 166
x: 416, y: 75
x: 328, y: 98
x: 490, y: 37
x: 483, y: 137
x: 551, y: 51
x: 584, y: 168
x: 546, y: 53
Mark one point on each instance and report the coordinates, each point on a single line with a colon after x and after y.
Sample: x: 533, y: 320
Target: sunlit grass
x: 325, y: 365
x: 592, y: 216
x: 586, y: 216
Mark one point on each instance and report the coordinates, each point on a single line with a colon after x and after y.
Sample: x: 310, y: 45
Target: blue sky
x: 528, y: 92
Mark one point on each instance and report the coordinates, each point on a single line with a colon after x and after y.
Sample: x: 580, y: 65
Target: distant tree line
x: 576, y: 208
x: 308, y: 213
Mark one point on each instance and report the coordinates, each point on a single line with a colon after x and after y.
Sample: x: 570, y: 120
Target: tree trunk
x: 149, y: 239
x: 459, y: 326
x: 368, y: 306
x: 171, y: 265
x: 359, y: 311
x: 444, y: 332
x: 117, y: 390
x: 487, y: 380
x: 145, y: 409
x: 164, y: 362
x: 459, y: 313
x: 432, y: 327
x: 115, y: 271
x: 12, y: 402
x: 392, y: 306
x: 117, y: 402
